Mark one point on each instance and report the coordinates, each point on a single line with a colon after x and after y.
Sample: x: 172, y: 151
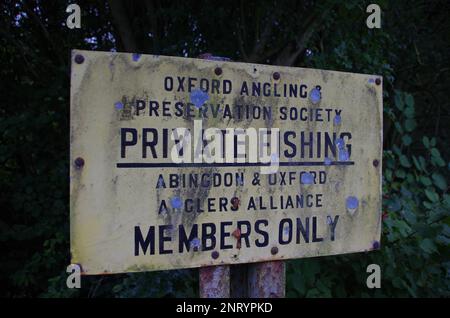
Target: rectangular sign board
x: 181, y: 162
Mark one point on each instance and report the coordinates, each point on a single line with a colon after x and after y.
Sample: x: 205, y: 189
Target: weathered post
x: 215, y: 281
x: 267, y: 280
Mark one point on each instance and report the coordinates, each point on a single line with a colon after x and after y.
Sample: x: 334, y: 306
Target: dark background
x: 411, y: 51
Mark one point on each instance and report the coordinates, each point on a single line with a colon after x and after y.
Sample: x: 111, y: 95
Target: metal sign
x: 180, y: 162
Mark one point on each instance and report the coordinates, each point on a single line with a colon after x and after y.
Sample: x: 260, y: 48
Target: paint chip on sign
x: 199, y: 97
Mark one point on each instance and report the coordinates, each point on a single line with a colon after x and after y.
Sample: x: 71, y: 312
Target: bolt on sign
x: 180, y: 162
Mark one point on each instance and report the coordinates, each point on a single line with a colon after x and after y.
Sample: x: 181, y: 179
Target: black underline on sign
x: 238, y: 164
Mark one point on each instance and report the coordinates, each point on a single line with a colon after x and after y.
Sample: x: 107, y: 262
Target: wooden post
x: 267, y: 280
x: 215, y: 281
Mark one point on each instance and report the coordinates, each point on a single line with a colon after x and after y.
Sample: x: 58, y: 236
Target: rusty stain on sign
x: 141, y: 200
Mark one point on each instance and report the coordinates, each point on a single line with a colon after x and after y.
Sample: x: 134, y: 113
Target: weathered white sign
x: 179, y: 162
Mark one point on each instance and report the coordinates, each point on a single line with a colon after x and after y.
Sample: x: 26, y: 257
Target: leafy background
x: 411, y: 51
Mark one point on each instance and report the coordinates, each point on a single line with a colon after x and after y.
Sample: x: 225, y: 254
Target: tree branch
x: 261, y: 42
x: 150, y: 6
x: 241, y: 44
x: 290, y: 53
x: 38, y: 21
x: 123, y: 25
x: 241, y: 32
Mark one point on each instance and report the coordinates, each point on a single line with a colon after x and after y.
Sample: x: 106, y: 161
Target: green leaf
x: 400, y: 173
x: 404, y: 161
x: 433, y: 142
x: 436, y: 158
x: 427, y: 246
x: 410, y: 177
x: 402, y: 227
x: 425, y: 181
x: 439, y: 181
x: 394, y: 205
x: 396, y: 150
x: 409, y: 100
x: 438, y: 161
x: 399, y: 128
x: 388, y: 175
x: 407, y: 140
x: 410, y: 216
x: 423, y: 163
x: 426, y: 142
x: 431, y: 195
x: 398, y: 100
x: 447, y: 200
x: 117, y: 288
x: 416, y: 163
x: 410, y: 124
x: 428, y: 205
x: 409, y: 112
x: 435, y: 153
